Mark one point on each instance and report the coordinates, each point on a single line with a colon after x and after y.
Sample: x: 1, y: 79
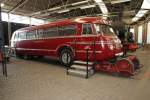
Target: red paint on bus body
x: 107, y: 46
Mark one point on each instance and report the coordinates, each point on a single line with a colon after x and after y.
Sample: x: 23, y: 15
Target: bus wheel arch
x: 63, y: 52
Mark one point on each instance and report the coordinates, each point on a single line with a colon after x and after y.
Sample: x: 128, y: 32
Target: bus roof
x: 67, y: 22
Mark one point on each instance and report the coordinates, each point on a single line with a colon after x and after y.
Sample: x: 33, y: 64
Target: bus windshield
x: 105, y: 29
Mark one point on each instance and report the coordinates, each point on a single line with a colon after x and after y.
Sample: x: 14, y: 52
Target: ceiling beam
x: 21, y: 3
x: 60, y: 8
x: 119, y: 1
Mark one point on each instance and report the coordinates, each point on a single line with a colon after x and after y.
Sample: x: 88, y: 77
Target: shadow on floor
x: 46, y: 60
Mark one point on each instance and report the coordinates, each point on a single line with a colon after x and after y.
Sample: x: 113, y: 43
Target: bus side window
x: 15, y: 36
x: 67, y: 30
x: 31, y: 34
x: 51, y: 32
x: 22, y: 35
x: 40, y: 33
x: 86, y: 28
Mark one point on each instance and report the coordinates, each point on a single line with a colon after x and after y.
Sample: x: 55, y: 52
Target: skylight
x: 144, y: 9
x: 103, y: 8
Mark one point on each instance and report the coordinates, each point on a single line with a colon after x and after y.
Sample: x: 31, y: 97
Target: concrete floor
x: 47, y: 80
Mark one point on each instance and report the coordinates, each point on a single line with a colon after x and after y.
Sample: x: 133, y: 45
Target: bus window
x: 50, y: 32
x: 67, y: 30
x: 86, y: 28
x: 22, y: 36
x: 105, y: 29
x: 40, y: 33
x: 15, y: 36
x: 31, y: 34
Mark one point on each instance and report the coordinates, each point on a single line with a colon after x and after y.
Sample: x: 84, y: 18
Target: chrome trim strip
x: 72, y: 36
x: 34, y: 49
x: 84, y: 51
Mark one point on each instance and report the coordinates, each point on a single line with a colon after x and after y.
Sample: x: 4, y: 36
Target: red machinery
x: 125, y: 66
x: 129, y: 47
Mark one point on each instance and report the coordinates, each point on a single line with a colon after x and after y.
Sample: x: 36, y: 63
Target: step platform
x: 79, y: 68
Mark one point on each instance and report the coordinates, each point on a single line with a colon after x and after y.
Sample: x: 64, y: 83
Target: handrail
x: 87, y: 48
x: 68, y: 65
x: 87, y: 62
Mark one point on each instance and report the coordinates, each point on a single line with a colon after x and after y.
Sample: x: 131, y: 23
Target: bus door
x: 84, y: 41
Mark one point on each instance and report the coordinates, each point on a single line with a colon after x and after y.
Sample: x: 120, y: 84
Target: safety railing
x: 87, y: 49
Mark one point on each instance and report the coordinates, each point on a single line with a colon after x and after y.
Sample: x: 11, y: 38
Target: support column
x: 30, y: 21
x: 136, y: 33
x: 2, y: 49
x: 1, y: 32
x: 9, y: 28
x: 145, y: 33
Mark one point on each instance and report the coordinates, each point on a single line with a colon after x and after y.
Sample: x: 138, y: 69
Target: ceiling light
x: 2, y: 4
x: 141, y: 12
x: 103, y: 8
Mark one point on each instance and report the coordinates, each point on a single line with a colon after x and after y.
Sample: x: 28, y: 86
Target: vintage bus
x: 68, y: 38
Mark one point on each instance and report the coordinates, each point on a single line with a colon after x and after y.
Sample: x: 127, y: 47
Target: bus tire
x: 63, y: 57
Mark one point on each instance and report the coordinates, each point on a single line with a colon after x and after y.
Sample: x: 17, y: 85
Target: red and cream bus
x: 70, y: 35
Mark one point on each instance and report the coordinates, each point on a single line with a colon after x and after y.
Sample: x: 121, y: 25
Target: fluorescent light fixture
x: 88, y: 6
x: 103, y: 8
x: 63, y: 11
x: 2, y: 4
x: 119, y: 1
x: 141, y: 12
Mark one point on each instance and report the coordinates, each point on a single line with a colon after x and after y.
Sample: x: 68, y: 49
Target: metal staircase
x: 82, y: 68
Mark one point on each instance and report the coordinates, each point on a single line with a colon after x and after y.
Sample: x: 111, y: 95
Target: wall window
x: 22, y: 35
x: 140, y: 32
x: 132, y: 30
x: 86, y: 29
x: 67, y: 30
x: 31, y: 34
x: 148, y: 33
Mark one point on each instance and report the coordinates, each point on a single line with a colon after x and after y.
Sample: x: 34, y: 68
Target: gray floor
x: 47, y: 80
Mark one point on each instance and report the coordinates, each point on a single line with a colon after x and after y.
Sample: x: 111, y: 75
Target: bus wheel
x: 66, y: 57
